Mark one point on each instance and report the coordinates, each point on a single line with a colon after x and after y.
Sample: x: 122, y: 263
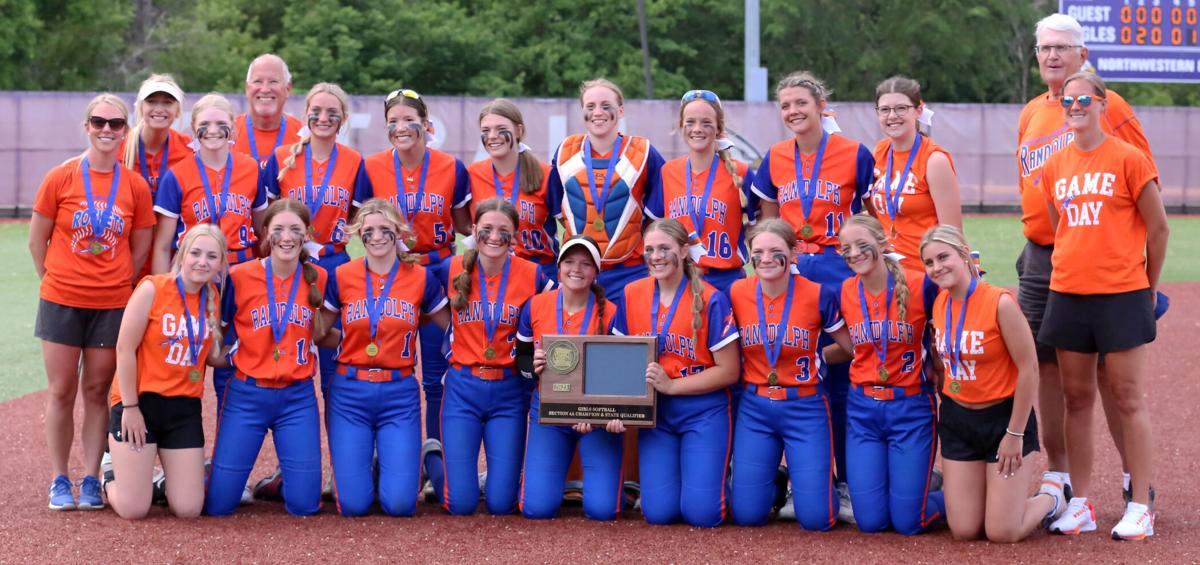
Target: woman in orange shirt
x: 153, y: 146
x: 1110, y: 241
x: 167, y: 337
x: 987, y: 425
x: 90, y: 233
x: 915, y: 185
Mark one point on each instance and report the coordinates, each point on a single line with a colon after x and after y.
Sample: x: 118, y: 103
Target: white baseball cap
x: 150, y: 87
x: 577, y: 241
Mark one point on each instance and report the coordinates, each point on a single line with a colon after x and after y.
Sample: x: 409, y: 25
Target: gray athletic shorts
x: 78, y: 327
x: 1033, y: 288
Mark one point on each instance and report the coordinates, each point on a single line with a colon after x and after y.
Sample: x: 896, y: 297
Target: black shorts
x: 1098, y: 323
x: 172, y: 422
x: 77, y: 327
x: 974, y: 435
x: 1033, y: 288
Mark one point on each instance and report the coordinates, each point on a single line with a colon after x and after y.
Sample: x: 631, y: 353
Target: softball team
x: 862, y: 346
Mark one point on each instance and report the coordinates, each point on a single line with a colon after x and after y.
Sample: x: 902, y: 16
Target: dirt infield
x: 263, y: 532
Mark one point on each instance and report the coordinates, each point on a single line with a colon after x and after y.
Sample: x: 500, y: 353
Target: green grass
x: 998, y: 238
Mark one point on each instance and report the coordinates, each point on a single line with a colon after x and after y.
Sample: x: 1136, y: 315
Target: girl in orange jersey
x: 707, y: 190
x: 375, y: 406
x: 274, y: 327
x: 326, y: 176
x: 167, y: 337
x: 513, y: 172
x: 891, y: 412
x: 986, y: 426
x: 1110, y: 241
x: 485, y: 398
x: 578, y: 306
x: 785, y: 407
x: 915, y: 184
x: 89, y: 236
x: 684, y: 461
x: 152, y: 146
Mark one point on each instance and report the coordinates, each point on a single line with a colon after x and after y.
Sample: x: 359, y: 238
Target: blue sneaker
x: 60, y: 494
x: 89, y: 494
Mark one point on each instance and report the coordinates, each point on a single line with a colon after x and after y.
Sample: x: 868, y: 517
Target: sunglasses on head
x: 1084, y: 100
x: 700, y: 94
x: 115, y: 124
x: 405, y: 92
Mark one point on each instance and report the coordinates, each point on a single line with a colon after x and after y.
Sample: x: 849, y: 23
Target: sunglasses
x: 1084, y: 101
x: 405, y: 92
x: 115, y: 124
x: 700, y: 94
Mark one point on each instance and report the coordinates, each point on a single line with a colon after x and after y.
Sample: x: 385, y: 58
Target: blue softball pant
x: 548, y: 453
x: 799, y: 429
x: 829, y: 269
x: 488, y: 411
x: 248, y: 412
x: 684, y: 460
x: 890, y: 448
x: 614, y: 279
x: 366, y: 418
x: 327, y: 355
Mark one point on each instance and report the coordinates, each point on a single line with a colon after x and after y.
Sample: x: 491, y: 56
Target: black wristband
x: 127, y: 406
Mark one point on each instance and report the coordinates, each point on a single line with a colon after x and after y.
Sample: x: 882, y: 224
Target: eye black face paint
x: 756, y: 260
x: 391, y: 128
x: 226, y: 131
x: 202, y: 132
x: 417, y: 129
x: 780, y: 258
x: 508, y: 137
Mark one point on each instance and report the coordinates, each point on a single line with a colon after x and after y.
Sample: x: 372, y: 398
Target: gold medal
x: 276, y: 354
x: 772, y: 379
x: 955, y: 386
x: 883, y: 374
x: 598, y: 225
x: 806, y: 231
x: 489, y: 353
x: 96, y: 248
x: 372, y: 350
x: 194, y: 375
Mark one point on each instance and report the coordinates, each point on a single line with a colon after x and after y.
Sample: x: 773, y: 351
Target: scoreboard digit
x: 1140, y: 40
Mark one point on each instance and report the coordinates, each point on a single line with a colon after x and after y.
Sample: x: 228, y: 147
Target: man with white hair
x: 1042, y: 132
x: 265, y: 126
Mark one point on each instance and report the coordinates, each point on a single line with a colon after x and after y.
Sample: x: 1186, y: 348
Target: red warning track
x: 263, y: 532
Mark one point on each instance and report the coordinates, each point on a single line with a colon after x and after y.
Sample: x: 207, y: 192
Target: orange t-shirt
x: 164, y: 361
x: 244, y: 311
x: 75, y: 276
x: 535, y: 238
x: 265, y: 142
x: 814, y: 309
x: 986, y: 372
x: 1100, y: 239
x: 469, y: 338
x: 178, y: 149
x: 916, y: 212
x: 905, y: 361
x: 1042, y: 132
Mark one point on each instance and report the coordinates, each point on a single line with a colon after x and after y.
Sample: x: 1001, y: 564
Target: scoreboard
x: 1140, y: 40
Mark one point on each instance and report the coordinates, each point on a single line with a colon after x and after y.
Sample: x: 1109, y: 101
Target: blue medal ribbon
x: 401, y: 200
x: 216, y: 209
x: 491, y: 318
x: 954, y: 350
x: 698, y: 215
x: 375, y: 305
x: 600, y: 199
x: 666, y: 325
x: 587, y: 317
x: 500, y: 186
x: 99, y: 219
x: 162, y: 166
x: 313, y: 199
x: 194, y: 344
x: 254, y: 146
x: 893, y: 197
x: 277, y: 324
x: 809, y: 193
x: 773, y: 347
x: 881, y: 344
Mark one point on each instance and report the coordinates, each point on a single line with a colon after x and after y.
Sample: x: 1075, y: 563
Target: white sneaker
x: 788, y: 510
x: 1079, y: 517
x: 1052, y: 485
x: 845, y: 508
x: 1137, y: 524
x: 247, y: 495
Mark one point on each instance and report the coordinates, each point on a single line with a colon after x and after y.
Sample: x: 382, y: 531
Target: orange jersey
x: 1042, y: 132
x: 74, y: 275
x: 536, y: 238
x: 245, y: 312
x: 680, y: 352
x: 332, y: 212
x: 618, y: 230
x: 1100, y: 239
x: 986, y: 372
x: 446, y: 188
x: 915, y: 212
x: 164, y: 360
x: 847, y: 170
x: 265, y: 142
x: 540, y: 317
x: 414, y: 291
x: 178, y: 150
x: 906, y: 339
x: 720, y: 230
x: 182, y: 196
x: 813, y: 309
x: 468, y: 326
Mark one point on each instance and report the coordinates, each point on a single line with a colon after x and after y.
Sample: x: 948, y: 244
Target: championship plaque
x: 597, y: 378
